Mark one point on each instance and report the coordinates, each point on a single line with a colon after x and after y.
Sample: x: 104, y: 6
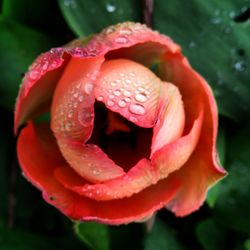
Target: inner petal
x: 130, y: 89
x: 124, y: 142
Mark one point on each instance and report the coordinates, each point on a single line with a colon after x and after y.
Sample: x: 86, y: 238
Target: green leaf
x: 19, y: 46
x: 34, y: 14
x: 213, y: 193
x: 87, y: 16
x: 211, y: 236
x: 162, y: 237
x: 233, y: 204
x: 216, y: 45
x: 94, y: 236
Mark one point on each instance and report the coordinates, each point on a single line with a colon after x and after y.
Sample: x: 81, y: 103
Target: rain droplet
x: 111, y: 96
x: 68, y: 126
x: 81, y: 98
x: 100, y: 98
x: 110, y: 7
x: 137, y: 109
x: 141, y: 97
x: 126, y: 93
x: 122, y: 103
x: 192, y: 44
x: 133, y: 119
x: 121, y: 40
x: 127, y: 99
x: 88, y: 88
x: 240, y: 66
x: 85, y: 117
x: 110, y: 103
x: 75, y: 104
x: 76, y: 95
x: 34, y: 74
x: 113, y: 84
x: 117, y: 93
x: 128, y: 81
x: 132, y: 74
x: 126, y: 31
x: 96, y: 171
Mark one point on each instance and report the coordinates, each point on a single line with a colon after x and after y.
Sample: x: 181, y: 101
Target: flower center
x: 123, y: 141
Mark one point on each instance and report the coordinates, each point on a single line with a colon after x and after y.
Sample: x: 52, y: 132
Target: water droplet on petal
x: 122, y: 103
x: 127, y: 99
x: 68, y: 126
x: 100, y: 98
x: 110, y: 103
x: 133, y: 119
x: 136, y: 109
x: 121, y: 40
x: 111, y: 96
x: 88, y: 88
x: 85, y: 117
x: 141, y: 97
x: 81, y: 98
x: 75, y: 95
x: 117, y: 93
x: 126, y: 93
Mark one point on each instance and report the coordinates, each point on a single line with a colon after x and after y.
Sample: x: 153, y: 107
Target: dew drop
x: 100, y: 98
x: 75, y: 95
x: 192, y: 44
x: 126, y: 93
x: 75, y: 104
x: 137, y: 109
x: 128, y: 81
x: 110, y: 103
x: 141, y: 97
x: 111, y: 96
x: 126, y: 31
x: 110, y: 7
x: 81, y: 98
x: 34, y: 74
x: 113, y: 84
x: 127, y: 99
x: 68, y: 126
x: 133, y: 119
x: 240, y: 66
x: 121, y: 40
x: 132, y: 74
x: 85, y: 117
x: 117, y: 93
x: 88, y: 88
x: 122, y: 103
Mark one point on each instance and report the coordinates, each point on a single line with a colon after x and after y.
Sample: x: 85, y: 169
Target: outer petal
x: 202, y: 170
x: 40, y: 172
x: 41, y: 79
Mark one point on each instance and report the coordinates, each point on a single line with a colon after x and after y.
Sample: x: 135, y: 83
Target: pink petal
x: 129, y: 89
x: 171, y: 118
x: 202, y: 169
x: 40, y: 171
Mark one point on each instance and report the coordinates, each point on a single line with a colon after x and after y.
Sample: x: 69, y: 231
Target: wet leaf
x: 162, y: 237
x: 217, y: 46
x: 233, y: 204
x: 94, y: 236
x: 19, y: 46
x: 87, y: 16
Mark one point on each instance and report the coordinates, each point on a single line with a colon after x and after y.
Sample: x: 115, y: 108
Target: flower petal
x: 195, y: 182
x: 72, y: 115
x: 171, y: 118
x: 40, y: 171
x: 130, y: 89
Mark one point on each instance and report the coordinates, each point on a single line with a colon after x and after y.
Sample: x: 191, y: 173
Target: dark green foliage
x: 215, y: 36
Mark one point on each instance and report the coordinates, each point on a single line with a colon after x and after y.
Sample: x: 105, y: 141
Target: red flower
x: 122, y: 141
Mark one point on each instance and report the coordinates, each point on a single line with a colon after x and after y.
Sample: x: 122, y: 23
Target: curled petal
x: 40, y: 171
x: 129, y: 89
x: 195, y: 182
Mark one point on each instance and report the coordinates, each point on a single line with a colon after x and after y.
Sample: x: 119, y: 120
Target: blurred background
x: 215, y: 36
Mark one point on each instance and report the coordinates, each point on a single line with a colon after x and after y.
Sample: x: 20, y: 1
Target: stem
x: 148, y: 8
